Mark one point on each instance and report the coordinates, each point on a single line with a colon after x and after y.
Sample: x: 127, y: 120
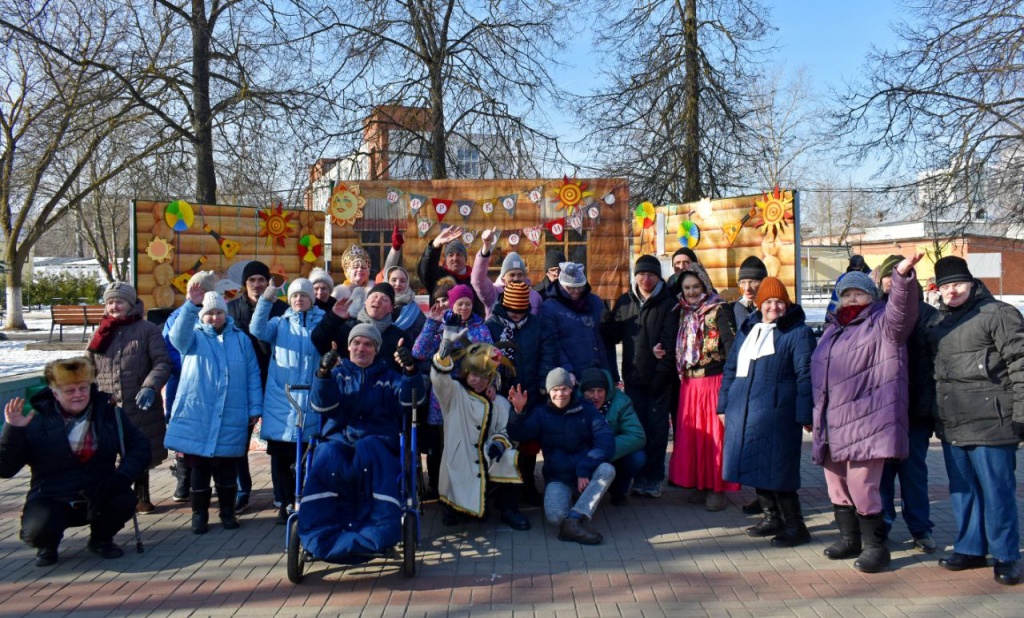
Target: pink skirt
x: 697, y: 449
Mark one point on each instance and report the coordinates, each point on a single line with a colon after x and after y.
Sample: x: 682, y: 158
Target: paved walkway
x: 660, y: 557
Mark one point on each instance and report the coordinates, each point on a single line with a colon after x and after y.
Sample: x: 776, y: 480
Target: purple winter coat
x: 859, y: 379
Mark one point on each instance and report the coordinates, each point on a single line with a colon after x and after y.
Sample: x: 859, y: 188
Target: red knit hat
x: 771, y: 287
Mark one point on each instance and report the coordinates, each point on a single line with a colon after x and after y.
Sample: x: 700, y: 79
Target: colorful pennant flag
x: 508, y: 202
x: 537, y: 194
x: 513, y: 238
x: 441, y: 207
x: 575, y: 220
x: 488, y: 207
x: 394, y: 195
x: 533, y: 235
x: 423, y: 225
x: 465, y: 208
x: 416, y: 202
x: 556, y: 227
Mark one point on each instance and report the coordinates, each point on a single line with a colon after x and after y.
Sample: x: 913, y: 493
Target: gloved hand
x: 327, y: 363
x: 405, y: 358
x: 270, y: 293
x: 495, y: 451
x: 452, y: 319
x: 145, y: 398
x: 450, y: 340
x: 1018, y: 428
x: 397, y: 240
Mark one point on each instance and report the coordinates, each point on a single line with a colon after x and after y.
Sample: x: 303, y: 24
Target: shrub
x: 63, y: 288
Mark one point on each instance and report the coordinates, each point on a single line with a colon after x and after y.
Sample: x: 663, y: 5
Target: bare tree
x: 674, y: 114
x: 480, y: 68
x: 948, y: 99
x: 55, y: 116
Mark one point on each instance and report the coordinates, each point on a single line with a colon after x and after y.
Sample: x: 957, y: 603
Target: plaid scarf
x: 690, y: 340
x: 81, y: 434
x: 508, y: 333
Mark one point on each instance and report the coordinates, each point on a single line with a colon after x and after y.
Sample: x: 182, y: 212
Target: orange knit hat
x: 771, y: 287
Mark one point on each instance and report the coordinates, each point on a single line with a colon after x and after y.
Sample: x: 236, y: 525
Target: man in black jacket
x: 978, y: 346
x: 643, y: 320
x: 70, y: 439
x: 255, y: 279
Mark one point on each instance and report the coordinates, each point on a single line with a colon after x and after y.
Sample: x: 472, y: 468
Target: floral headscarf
x: 690, y: 339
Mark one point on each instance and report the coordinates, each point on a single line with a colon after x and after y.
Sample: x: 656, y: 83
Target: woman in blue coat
x: 293, y: 361
x: 218, y: 392
x: 766, y: 399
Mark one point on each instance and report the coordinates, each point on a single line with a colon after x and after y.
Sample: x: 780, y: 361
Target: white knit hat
x: 301, y: 286
x: 319, y: 274
x: 212, y: 301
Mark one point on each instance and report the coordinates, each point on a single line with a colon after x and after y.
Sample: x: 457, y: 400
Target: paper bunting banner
x: 533, y: 235
x: 467, y: 238
x: 513, y: 239
x: 557, y: 227
x: 441, y: 207
x: 488, y: 207
x: 575, y: 221
x: 537, y: 194
x: 465, y: 208
x: 394, y: 195
x: 423, y: 225
x: 416, y: 202
x: 508, y: 202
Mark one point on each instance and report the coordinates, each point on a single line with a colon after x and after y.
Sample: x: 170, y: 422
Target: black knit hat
x: 952, y: 269
x: 647, y: 264
x: 593, y: 378
x: 553, y: 258
x: 687, y: 252
x: 752, y: 268
x: 255, y: 267
x: 857, y: 264
x: 384, y: 288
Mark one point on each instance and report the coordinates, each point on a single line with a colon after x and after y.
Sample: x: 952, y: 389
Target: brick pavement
x: 660, y: 557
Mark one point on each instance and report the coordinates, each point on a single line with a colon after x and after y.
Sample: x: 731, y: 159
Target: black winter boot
x: 772, y: 522
x: 849, y: 544
x: 226, y: 495
x: 200, y: 510
x: 875, y: 556
x: 183, y: 475
x: 794, y: 531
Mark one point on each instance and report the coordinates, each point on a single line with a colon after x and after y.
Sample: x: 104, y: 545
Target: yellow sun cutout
x: 346, y: 204
x: 775, y: 211
x: 159, y: 249
x: 571, y: 193
x: 275, y: 225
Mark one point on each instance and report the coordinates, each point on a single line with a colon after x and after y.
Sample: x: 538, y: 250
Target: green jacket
x: 618, y: 411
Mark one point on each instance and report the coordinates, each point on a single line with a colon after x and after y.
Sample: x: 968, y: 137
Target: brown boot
x: 573, y: 530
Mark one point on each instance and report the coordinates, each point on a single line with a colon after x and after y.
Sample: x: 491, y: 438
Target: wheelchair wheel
x: 295, y: 561
x: 409, y: 545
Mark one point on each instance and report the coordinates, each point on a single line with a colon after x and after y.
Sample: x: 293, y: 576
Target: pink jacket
x: 487, y: 291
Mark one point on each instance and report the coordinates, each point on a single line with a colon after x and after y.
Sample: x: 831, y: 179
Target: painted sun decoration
x: 346, y: 204
x: 276, y: 225
x: 774, y: 212
x: 571, y: 193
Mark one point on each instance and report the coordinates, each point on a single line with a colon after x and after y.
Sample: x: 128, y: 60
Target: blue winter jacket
x: 219, y: 390
x: 356, y: 402
x: 572, y: 337
x: 765, y: 412
x: 293, y: 361
x: 575, y: 440
x: 526, y: 357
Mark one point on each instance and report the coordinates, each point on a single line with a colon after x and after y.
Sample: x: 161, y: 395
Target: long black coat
x: 979, y: 370
x: 639, y: 326
x: 56, y: 472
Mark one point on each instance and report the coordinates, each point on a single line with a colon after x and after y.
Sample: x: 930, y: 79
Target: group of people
x: 505, y: 370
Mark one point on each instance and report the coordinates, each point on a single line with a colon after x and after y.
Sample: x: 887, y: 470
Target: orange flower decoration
x: 276, y: 225
x: 571, y: 194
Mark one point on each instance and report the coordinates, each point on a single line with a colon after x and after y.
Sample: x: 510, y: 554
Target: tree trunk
x: 691, y: 105
x: 202, y: 127
x: 15, y: 309
x: 438, y: 134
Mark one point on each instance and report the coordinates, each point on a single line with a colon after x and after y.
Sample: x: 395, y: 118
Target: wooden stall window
x: 377, y: 244
x: 573, y: 244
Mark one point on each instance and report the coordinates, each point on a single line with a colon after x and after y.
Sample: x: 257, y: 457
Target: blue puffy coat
x: 571, y: 332
x: 356, y: 402
x: 219, y: 389
x: 766, y: 410
x: 293, y: 361
x: 575, y: 440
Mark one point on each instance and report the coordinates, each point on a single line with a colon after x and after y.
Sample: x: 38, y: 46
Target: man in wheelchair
x: 352, y: 496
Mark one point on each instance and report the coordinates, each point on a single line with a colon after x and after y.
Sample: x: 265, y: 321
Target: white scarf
x: 759, y: 342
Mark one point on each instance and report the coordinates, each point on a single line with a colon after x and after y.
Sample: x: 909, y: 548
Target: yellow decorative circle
x: 159, y: 249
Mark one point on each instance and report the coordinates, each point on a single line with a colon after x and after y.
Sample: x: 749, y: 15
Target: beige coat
x: 462, y: 481
x: 137, y: 357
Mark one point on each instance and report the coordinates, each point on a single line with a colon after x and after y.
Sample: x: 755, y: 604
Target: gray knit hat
x: 856, y: 280
x: 512, y: 261
x: 558, y: 377
x: 365, y: 330
x: 572, y: 275
x: 301, y: 286
x: 320, y: 275
x: 212, y: 301
x: 121, y: 290
x: 455, y: 246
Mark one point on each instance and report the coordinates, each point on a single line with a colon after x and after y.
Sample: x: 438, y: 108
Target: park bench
x: 85, y: 316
